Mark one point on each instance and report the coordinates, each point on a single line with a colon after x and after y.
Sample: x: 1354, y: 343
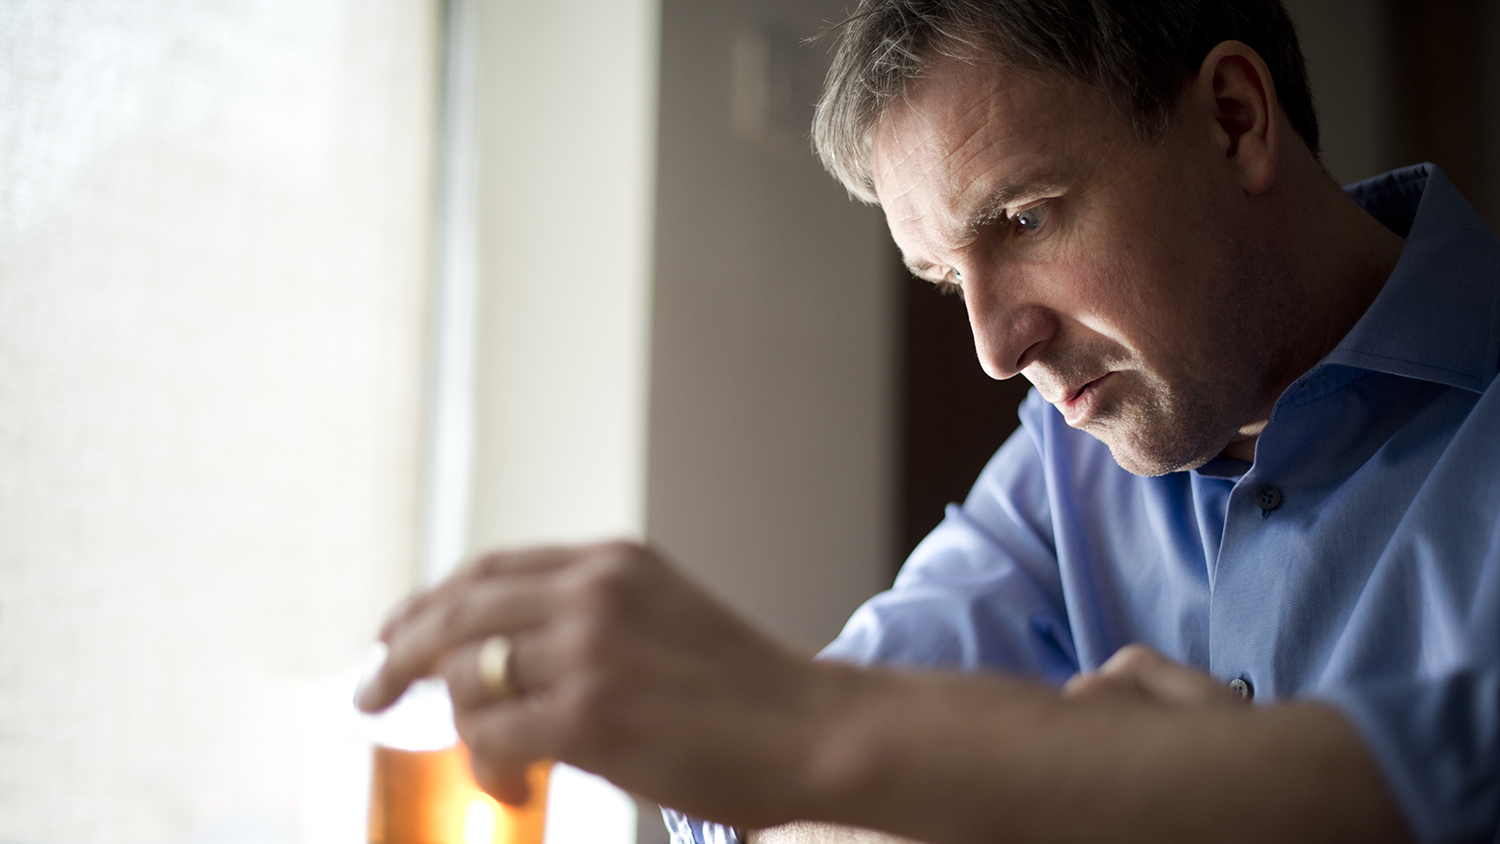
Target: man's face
x: 1112, y: 273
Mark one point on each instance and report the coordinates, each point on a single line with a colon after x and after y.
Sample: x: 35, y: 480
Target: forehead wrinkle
x: 910, y: 157
x: 913, y: 212
x: 926, y: 138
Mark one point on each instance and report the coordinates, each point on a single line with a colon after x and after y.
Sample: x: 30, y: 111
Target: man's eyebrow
x: 1027, y: 186
x: 916, y: 266
x: 1024, y: 187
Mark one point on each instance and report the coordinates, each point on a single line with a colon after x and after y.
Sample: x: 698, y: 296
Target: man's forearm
x: 942, y: 758
x: 814, y: 832
x: 626, y: 669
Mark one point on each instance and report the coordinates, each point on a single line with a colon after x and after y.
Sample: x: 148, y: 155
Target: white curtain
x: 214, y: 250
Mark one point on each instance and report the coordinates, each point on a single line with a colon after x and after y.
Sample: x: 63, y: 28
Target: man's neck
x: 1339, y: 258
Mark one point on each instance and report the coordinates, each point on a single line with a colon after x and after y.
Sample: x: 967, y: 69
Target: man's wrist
x: 832, y: 759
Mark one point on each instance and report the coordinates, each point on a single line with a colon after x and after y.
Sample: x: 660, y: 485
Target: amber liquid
x: 430, y: 797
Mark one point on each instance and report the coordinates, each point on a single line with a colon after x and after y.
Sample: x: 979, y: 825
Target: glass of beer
x: 423, y: 790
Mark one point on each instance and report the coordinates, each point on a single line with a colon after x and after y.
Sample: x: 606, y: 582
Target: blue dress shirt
x: 1356, y: 561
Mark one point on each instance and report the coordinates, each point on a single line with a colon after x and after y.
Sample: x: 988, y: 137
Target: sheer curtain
x: 215, y: 225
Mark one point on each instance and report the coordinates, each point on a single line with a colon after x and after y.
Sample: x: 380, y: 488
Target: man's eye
x: 1031, y: 219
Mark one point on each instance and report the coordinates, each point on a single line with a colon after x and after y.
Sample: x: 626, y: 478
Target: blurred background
x: 302, y: 300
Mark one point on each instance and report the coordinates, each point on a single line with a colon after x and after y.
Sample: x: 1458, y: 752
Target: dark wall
x: 1444, y: 91
x: 953, y: 415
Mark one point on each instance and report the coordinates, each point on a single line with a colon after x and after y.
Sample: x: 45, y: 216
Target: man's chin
x: 1151, y: 459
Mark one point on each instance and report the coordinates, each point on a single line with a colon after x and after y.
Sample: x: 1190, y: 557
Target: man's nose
x: 1008, y: 335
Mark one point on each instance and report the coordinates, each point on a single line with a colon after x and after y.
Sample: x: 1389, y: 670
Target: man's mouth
x: 1078, y: 405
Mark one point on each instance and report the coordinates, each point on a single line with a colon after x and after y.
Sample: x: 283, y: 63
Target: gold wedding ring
x: 494, y: 667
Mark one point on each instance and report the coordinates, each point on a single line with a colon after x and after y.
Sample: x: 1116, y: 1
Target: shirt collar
x: 1438, y: 316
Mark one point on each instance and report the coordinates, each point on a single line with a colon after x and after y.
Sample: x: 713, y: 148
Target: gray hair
x: 1139, y: 52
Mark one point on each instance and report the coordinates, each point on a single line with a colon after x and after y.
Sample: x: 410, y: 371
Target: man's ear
x: 1234, y: 88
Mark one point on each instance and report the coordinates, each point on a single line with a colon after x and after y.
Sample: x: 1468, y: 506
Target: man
x: 1258, y: 464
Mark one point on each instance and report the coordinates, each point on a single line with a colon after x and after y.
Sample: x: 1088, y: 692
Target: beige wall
x: 567, y: 121
x: 772, y: 373
x: 214, y: 227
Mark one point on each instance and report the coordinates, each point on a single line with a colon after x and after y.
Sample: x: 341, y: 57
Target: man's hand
x: 623, y: 667
x: 1139, y: 673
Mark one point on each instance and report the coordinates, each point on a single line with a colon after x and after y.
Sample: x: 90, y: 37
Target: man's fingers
x: 484, y: 567
x: 507, y: 786
x: 460, y: 670
x: 498, y: 593
x: 490, y: 606
x: 1166, y: 681
x: 508, y: 735
x: 1095, y: 684
x: 1141, y: 671
x: 527, y: 670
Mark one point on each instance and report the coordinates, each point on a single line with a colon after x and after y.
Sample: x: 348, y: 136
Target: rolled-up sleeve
x: 982, y: 591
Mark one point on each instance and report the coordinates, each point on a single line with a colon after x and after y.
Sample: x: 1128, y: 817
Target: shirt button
x: 1242, y: 687
x: 1268, y: 498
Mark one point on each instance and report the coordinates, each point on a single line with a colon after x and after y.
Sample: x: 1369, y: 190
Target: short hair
x: 1138, y: 52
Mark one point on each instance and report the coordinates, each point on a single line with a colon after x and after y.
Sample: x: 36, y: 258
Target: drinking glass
x: 422, y: 789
